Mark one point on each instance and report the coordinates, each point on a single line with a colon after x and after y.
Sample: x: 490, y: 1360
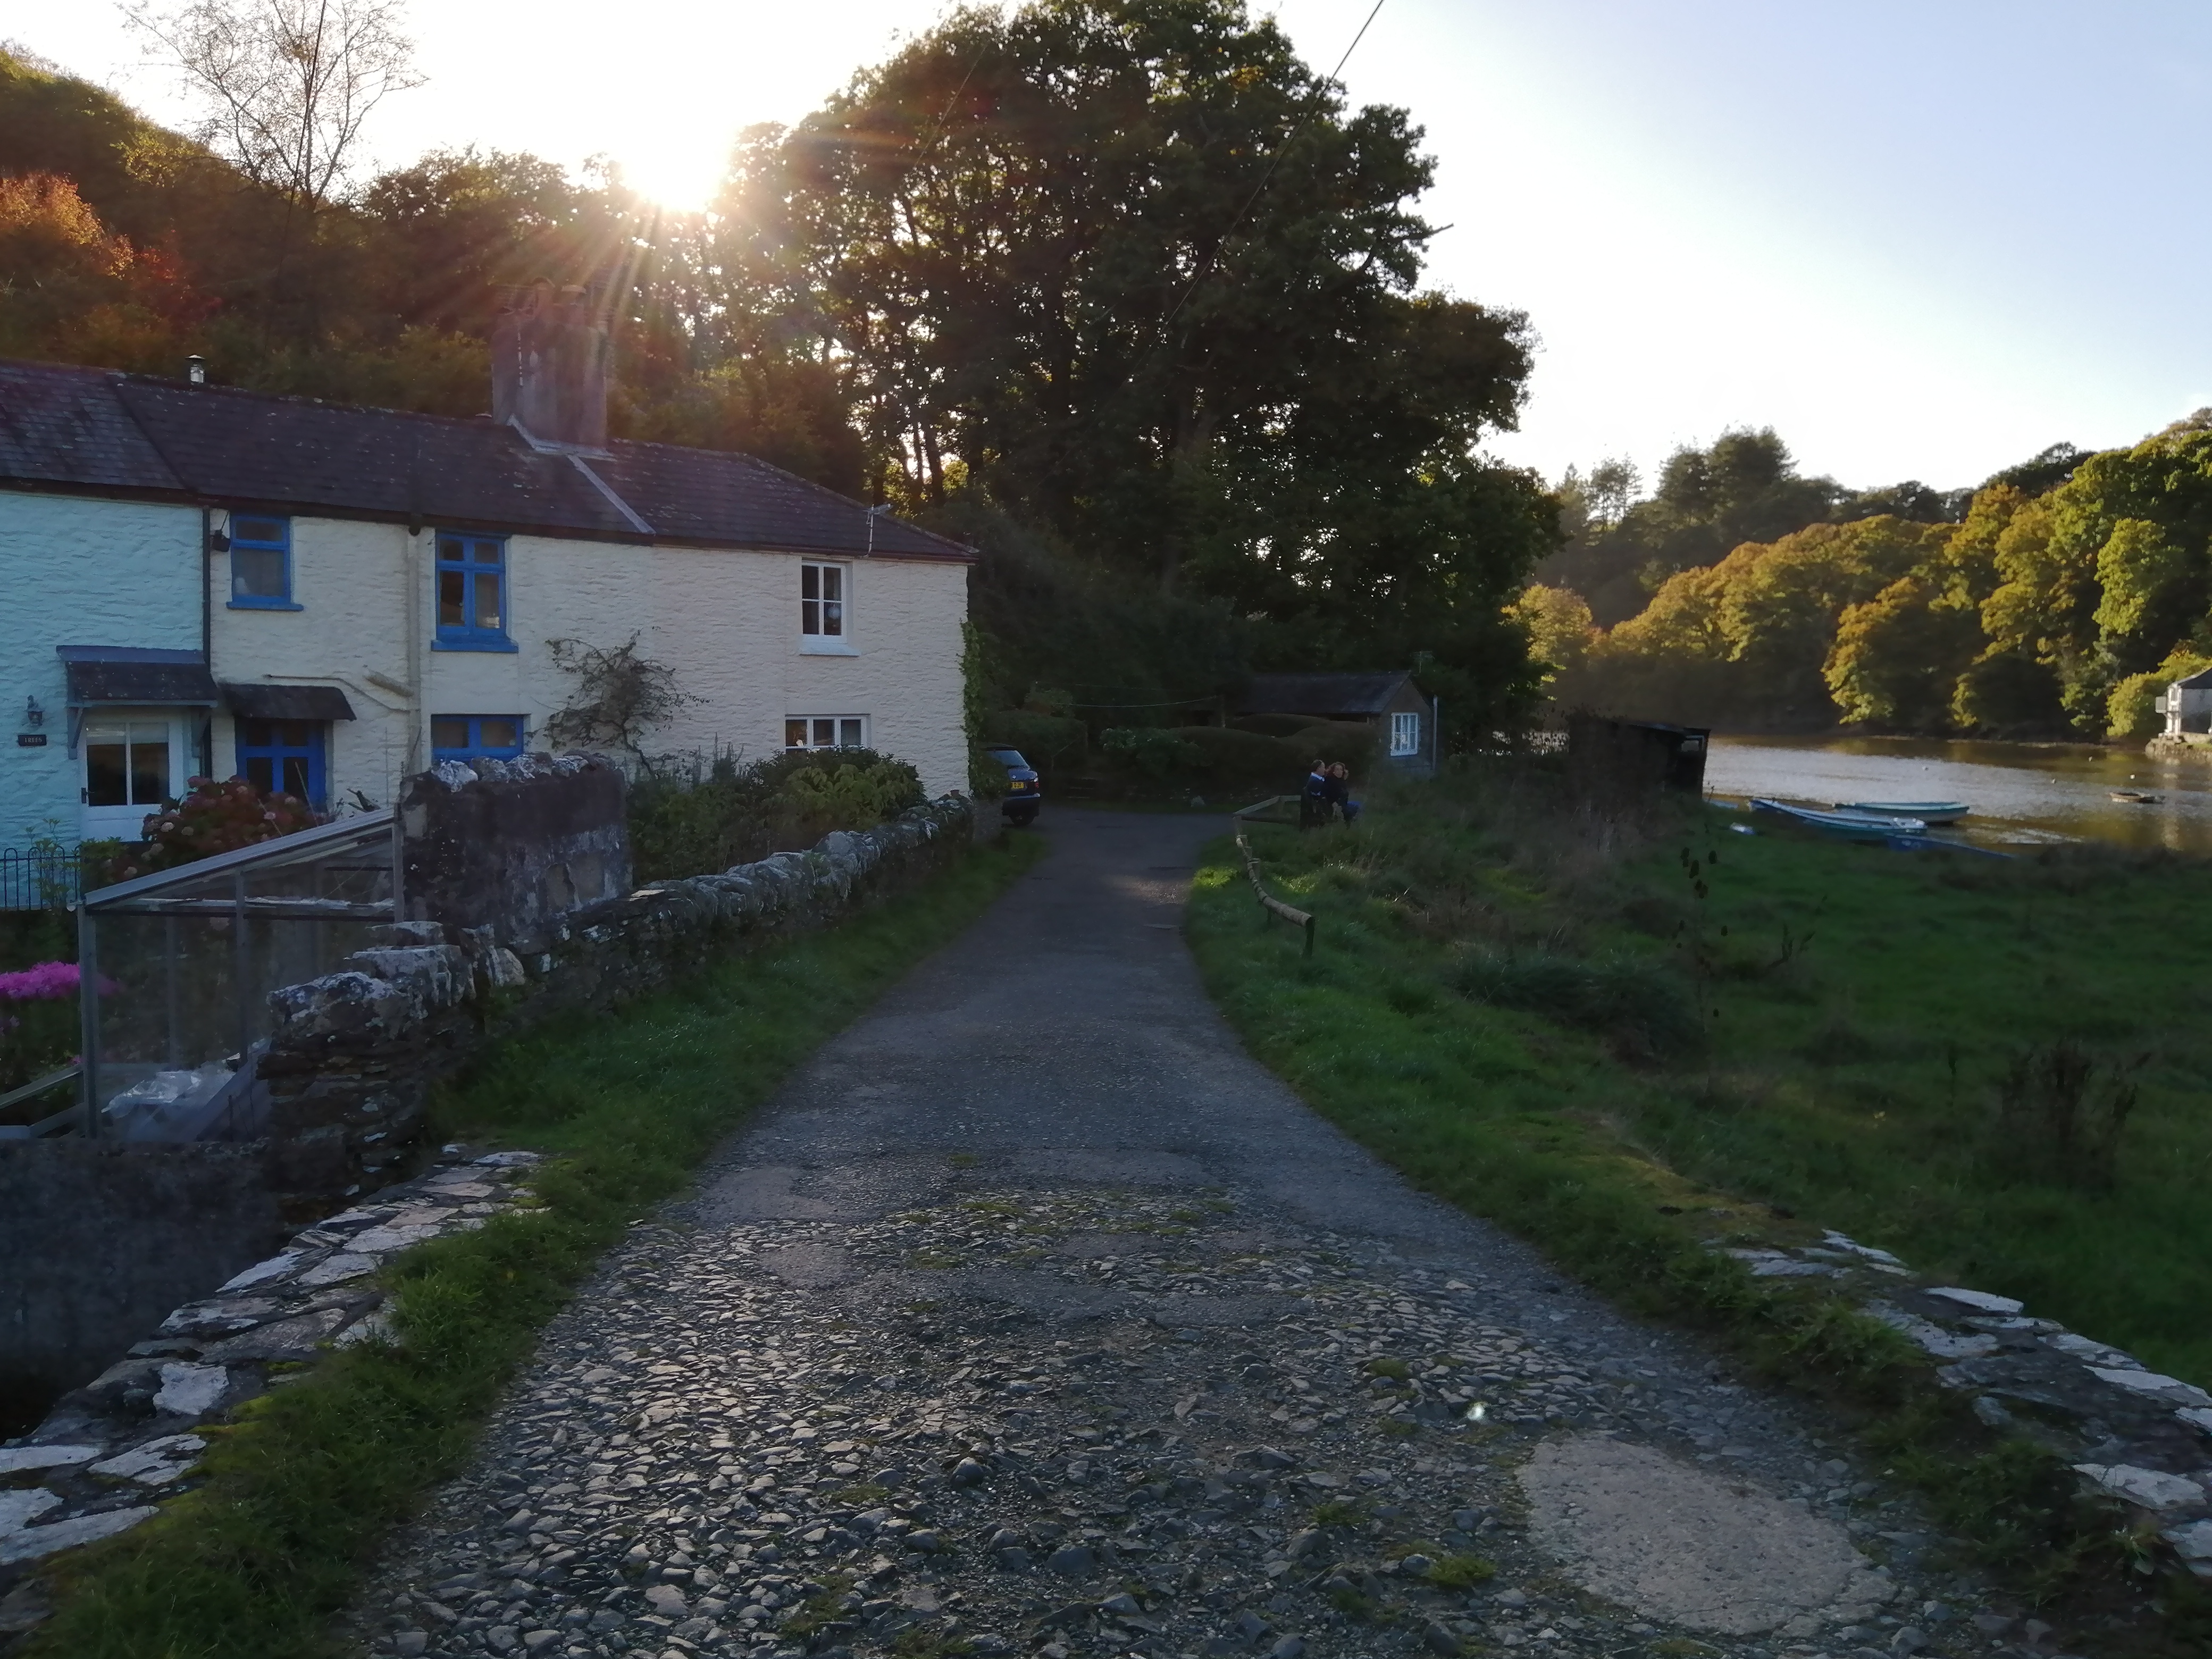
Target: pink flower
x: 45, y: 981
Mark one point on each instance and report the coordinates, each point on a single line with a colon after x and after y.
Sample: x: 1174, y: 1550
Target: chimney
x: 196, y: 369
x: 548, y: 366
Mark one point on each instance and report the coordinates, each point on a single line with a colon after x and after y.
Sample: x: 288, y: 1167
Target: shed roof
x: 2200, y: 681
x: 102, y: 431
x: 1323, y: 693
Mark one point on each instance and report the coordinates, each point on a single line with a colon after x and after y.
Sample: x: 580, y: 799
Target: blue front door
x: 284, y: 757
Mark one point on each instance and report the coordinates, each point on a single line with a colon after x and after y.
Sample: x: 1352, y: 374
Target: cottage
x: 2187, y: 706
x: 1402, y: 718
x: 325, y: 600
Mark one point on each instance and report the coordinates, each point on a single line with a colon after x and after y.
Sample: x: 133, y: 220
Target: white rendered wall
x: 80, y: 571
x: 727, y: 623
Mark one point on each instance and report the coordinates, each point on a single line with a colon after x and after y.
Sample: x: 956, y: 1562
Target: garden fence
x: 40, y: 879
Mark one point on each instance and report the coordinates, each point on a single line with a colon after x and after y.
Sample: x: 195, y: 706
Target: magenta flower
x: 46, y: 981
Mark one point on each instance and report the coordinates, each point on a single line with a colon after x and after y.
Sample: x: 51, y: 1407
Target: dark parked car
x: 1025, y: 793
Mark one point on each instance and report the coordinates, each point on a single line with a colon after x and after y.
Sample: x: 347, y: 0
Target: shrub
x: 1276, y: 725
x: 1045, y: 740
x: 1153, y: 750
x: 211, y: 818
x: 1618, y: 996
x: 712, y: 816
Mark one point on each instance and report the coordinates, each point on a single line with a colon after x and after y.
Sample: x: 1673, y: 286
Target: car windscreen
x: 1009, y: 757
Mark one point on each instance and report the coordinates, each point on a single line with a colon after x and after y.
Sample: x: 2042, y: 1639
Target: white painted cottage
x: 2187, y: 706
x: 326, y: 598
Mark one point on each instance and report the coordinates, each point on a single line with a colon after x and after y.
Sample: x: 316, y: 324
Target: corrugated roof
x: 96, y: 430
x: 1323, y: 693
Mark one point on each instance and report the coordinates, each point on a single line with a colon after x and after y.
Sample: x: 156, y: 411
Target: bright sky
x: 1920, y: 238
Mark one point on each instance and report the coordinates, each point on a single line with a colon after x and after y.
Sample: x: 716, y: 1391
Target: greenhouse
x: 178, y: 968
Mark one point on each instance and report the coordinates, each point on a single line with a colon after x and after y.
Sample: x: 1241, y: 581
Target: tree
x: 1897, y: 658
x: 287, y: 83
x: 1559, y: 624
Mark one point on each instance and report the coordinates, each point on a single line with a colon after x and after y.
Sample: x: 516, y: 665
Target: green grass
x: 1625, y: 1049
x: 301, y: 1490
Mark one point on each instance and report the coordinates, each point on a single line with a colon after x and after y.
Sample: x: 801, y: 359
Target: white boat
x: 1928, y: 812
x: 1848, y: 824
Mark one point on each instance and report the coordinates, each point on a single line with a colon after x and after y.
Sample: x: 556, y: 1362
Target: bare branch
x: 286, y: 84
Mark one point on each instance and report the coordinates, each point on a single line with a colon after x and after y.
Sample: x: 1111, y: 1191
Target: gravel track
x: 1033, y: 1316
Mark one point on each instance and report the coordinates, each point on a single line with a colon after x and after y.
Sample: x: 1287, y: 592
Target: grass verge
x: 1616, y: 1041
x: 254, y: 1564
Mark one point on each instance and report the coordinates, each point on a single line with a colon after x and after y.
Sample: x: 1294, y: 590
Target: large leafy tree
x: 1138, y: 273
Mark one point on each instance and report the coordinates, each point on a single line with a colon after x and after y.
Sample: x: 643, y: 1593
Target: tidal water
x: 2020, y: 792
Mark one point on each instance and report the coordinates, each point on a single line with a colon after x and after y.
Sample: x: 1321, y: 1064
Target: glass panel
x: 810, y: 581
x: 257, y: 529
x: 295, y: 776
x: 487, y: 616
x: 826, y: 734
x: 833, y: 617
x: 833, y: 581
x: 500, y: 732
x: 255, y: 735
x: 297, y: 734
x: 848, y: 733
x: 257, y: 572
x: 149, y: 769
x: 450, y: 549
x: 448, y: 731
x: 488, y: 552
x: 260, y: 772
x: 104, y: 781
x: 148, y: 730
x: 450, y: 590
x: 810, y: 615
x: 794, y: 734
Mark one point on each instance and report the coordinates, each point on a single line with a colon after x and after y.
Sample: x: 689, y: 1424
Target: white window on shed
x: 1405, y: 734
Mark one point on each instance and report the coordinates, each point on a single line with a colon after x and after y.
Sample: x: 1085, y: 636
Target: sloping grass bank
x: 253, y: 1564
x: 1626, y: 1040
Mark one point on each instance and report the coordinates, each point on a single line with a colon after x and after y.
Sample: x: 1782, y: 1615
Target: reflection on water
x: 2020, y: 792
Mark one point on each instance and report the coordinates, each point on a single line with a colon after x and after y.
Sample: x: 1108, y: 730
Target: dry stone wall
x: 356, y: 1053
x: 2136, y: 1437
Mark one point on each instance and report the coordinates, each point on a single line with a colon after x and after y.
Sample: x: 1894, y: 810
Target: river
x: 2022, y: 794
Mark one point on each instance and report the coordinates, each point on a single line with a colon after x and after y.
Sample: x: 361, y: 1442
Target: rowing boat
x: 1928, y: 812
x: 2134, y: 798
x: 1847, y: 824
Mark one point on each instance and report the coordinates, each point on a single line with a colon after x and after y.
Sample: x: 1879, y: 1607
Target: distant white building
x: 2187, y: 706
x: 324, y: 599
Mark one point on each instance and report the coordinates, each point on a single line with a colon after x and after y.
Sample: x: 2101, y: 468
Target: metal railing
x: 40, y: 879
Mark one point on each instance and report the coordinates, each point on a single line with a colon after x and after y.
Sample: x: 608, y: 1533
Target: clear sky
x: 1920, y: 238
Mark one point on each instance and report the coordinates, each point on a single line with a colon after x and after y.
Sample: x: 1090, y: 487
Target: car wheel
x: 1022, y: 816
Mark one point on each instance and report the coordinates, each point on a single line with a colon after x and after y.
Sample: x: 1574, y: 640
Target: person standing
x: 1339, y: 792
x: 1314, y: 806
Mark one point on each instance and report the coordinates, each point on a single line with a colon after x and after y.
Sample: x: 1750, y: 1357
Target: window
x: 826, y: 732
x: 284, y: 755
x: 126, y: 764
x: 260, y: 563
x: 472, y: 594
x: 475, y: 737
x: 821, y: 601
x: 1404, y: 734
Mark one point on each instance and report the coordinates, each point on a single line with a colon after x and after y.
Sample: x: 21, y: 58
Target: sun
x: 676, y: 170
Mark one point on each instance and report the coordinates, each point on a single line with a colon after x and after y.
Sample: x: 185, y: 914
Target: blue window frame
x: 471, y: 580
x: 285, y: 756
x: 260, y: 563
x: 476, y: 737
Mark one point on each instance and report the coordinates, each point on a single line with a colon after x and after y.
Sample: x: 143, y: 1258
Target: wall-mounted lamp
x: 33, y: 716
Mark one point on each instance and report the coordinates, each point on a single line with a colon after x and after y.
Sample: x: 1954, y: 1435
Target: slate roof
x: 102, y: 431
x: 2197, y: 681
x: 1322, y: 694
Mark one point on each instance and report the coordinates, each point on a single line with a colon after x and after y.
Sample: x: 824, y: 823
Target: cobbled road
x: 1033, y: 1316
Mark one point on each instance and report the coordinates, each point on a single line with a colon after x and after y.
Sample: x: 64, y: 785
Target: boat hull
x: 1845, y: 825
x: 1928, y: 812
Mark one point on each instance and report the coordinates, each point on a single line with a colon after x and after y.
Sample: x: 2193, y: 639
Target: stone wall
x: 355, y: 1054
x: 100, y: 1239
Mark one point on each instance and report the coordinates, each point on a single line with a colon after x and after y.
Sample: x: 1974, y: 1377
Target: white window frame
x: 812, y: 619
x: 1405, y: 733
x: 839, y: 734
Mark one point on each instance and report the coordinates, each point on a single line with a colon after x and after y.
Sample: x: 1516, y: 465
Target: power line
x: 1205, y: 270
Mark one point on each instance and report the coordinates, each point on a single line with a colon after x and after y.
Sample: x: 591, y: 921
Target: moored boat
x: 2134, y: 798
x: 1846, y: 824
x: 1928, y: 812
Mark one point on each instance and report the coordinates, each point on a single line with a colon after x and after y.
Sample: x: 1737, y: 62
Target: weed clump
x: 2061, y: 1114
x: 1610, y: 994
